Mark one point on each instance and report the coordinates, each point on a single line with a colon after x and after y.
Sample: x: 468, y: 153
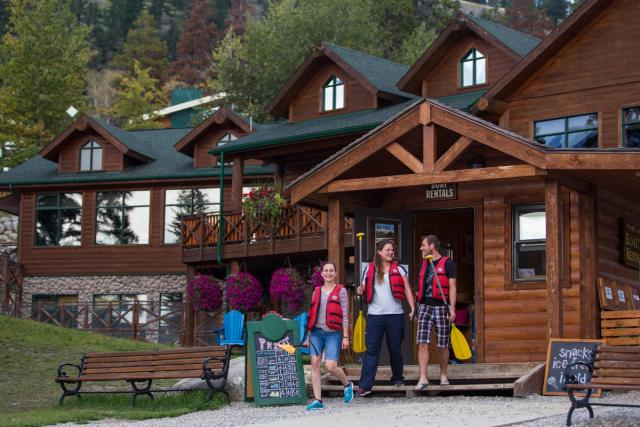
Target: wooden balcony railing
x: 299, y: 223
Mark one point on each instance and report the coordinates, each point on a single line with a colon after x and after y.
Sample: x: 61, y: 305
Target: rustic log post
x: 188, y: 331
x: 428, y: 147
x: 335, y: 234
x: 278, y: 173
x: 553, y: 236
x: 589, y: 312
x: 237, y: 181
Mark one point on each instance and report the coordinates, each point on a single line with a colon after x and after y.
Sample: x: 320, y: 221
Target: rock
x: 235, y: 381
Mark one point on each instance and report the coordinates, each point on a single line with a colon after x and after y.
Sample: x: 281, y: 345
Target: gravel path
x: 477, y: 411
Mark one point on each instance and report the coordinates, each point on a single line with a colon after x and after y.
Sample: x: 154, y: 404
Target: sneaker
x: 316, y: 404
x: 363, y: 393
x: 348, y: 393
x: 398, y: 383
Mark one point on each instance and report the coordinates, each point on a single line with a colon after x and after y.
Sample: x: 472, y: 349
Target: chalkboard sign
x: 560, y: 354
x: 277, y: 377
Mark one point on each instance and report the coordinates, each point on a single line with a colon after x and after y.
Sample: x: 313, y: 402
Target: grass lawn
x: 30, y: 353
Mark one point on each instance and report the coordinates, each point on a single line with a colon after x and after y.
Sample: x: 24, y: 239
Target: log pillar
x: 189, y: 324
x: 428, y: 147
x: 278, y: 173
x: 589, y: 310
x: 336, y: 235
x: 237, y: 182
x: 553, y: 236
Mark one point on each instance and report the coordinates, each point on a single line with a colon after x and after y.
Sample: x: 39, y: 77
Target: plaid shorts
x: 427, y: 316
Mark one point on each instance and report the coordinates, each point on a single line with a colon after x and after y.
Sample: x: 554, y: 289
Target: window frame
x: 122, y: 209
x: 58, y: 208
x: 624, y: 124
x: 516, y: 210
x: 567, y: 132
x: 474, y: 74
x: 93, y: 146
x: 165, y: 205
x: 332, y: 84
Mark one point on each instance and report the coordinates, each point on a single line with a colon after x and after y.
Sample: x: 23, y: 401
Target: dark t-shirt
x: 427, y: 292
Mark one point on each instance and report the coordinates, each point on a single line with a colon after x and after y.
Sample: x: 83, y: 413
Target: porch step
x: 432, y: 389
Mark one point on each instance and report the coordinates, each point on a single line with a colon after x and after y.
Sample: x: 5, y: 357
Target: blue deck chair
x: 232, y: 331
x: 302, y: 319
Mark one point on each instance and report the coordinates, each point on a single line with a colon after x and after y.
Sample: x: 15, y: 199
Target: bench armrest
x: 62, y: 373
x: 208, y: 373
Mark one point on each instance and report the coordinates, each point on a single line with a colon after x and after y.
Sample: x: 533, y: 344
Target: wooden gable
x: 69, y: 154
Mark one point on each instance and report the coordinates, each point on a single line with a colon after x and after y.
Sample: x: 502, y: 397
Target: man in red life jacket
x: 432, y: 309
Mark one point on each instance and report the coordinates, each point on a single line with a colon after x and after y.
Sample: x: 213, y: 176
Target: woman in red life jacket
x: 328, y: 315
x: 385, y: 285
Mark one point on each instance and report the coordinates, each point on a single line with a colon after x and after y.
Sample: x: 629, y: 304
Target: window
x: 631, y: 127
x: 58, y: 219
x: 55, y: 309
x: 226, y: 138
x: 333, y: 94
x: 568, y: 132
x: 115, y: 314
x: 473, y: 69
x: 170, y: 323
x: 529, y: 243
x: 122, y: 218
x: 91, y: 157
x: 187, y: 201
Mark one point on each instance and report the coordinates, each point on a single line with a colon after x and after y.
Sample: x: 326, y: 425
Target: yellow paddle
x: 458, y: 341
x: 359, y: 345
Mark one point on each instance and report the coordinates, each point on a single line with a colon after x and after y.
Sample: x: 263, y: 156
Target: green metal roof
x: 342, y: 124
x: 463, y: 101
x: 157, y: 144
x: 517, y: 41
x: 382, y: 73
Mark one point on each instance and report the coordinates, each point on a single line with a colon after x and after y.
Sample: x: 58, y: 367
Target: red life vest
x: 441, y: 272
x: 334, y: 309
x: 395, y: 280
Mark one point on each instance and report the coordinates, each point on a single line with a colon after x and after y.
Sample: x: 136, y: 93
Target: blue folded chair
x: 302, y: 319
x: 232, y: 331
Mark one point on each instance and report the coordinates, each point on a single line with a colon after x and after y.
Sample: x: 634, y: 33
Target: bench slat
x: 202, y: 355
x: 606, y: 364
x: 194, y: 367
x: 620, y: 323
x: 142, y: 363
x: 627, y: 341
x: 616, y: 380
x: 185, y: 350
x: 620, y: 332
x: 140, y: 376
x: 617, y: 349
x: 628, y: 357
x: 620, y: 372
x: 601, y: 386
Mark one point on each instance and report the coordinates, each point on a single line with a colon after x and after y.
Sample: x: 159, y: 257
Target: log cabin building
x: 521, y: 154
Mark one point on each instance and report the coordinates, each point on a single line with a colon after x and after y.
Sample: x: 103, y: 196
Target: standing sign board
x: 562, y: 353
x: 274, y: 377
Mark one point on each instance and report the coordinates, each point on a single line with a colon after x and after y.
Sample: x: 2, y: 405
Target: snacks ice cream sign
x: 441, y: 192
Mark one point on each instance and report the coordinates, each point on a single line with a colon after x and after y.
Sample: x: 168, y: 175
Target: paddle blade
x: 358, y: 334
x: 459, y: 343
x: 287, y: 347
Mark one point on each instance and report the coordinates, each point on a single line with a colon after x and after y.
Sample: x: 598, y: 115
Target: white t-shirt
x: 383, y: 301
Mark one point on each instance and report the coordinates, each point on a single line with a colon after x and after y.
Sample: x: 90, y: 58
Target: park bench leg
x: 69, y: 392
x: 137, y: 391
x: 213, y: 389
x: 579, y: 403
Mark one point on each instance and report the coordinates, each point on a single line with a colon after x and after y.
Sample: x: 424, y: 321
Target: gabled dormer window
x: 333, y: 94
x: 91, y: 157
x: 473, y: 69
x: 226, y: 138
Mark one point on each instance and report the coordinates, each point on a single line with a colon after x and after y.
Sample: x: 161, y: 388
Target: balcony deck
x: 303, y: 229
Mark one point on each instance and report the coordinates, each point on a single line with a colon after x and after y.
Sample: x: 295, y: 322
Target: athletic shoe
x: 316, y: 404
x: 348, y: 393
x: 398, y: 383
x: 363, y: 393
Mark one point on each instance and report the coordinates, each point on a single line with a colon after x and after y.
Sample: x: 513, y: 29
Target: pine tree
x: 117, y: 20
x: 524, y: 16
x: 195, y: 47
x: 143, y: 44
x: 237, y: 20
x: 138, y: 97
x: 415, y: 45
x: 43, y: 65
x: 436, y: 14
x: 4, y: 16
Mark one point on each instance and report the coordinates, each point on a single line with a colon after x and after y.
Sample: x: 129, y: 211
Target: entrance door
x: 454, y: 228
x: 378, y: 224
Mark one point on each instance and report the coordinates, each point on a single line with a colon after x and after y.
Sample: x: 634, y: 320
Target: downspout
x: 221, y: 217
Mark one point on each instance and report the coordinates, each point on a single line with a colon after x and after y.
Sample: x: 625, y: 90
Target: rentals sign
x: 630, y: 240
x: 441, y: 192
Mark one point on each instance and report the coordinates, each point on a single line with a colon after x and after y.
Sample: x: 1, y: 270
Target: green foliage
x: 264, y: 205
x: 416, y: 44
x: 436, y: 14
x: 43, y: 64
x: 138, y: 97
x: 144, y: 45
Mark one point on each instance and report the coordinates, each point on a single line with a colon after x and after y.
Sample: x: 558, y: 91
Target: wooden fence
x: 10, y: 286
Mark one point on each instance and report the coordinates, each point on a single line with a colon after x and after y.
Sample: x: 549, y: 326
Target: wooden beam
x: 588, y: 267
x: 336, y: 236
x: 594, y: 160
x: 553, y: 233
x: 425, y: 113
x: 407, y: 159
x: 428, y: 147
x: 237, y: 181
x: 452, y: 153
x: 413, y: 180
x: 278, y: 174
x: 569, y: 181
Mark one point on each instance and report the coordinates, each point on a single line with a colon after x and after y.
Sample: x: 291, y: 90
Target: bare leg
x: 316, y: 376
x: 443, y: 355
x: 332, y: 367
x: 423, y: 361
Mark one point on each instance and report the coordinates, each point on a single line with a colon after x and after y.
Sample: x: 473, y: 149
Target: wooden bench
x: 612, y: 368
x: 140, y: 368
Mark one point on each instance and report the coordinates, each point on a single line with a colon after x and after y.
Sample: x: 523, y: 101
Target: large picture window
x: 333, y: 94
x: 122, y: 218
x: 187, y: 201
x: 529, y: 243
x: 473, y: 69
x: 631, y: 127
x: 568, y: 132
x: 91, y: 157
x: 58, y: 219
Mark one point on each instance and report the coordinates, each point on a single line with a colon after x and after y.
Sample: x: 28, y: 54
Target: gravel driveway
x: 477, y: 411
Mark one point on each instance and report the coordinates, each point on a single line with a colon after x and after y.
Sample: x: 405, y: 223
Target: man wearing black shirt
x: 433, y: 308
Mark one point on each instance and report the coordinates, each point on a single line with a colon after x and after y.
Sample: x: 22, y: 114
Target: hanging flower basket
x: 316, y: 276
x: 205, y: 292
x: 287, y: 288
x: 264, y: 205
x: 243, y: 292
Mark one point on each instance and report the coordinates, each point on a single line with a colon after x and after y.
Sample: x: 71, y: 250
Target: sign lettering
x: 441, y: 192
x: 630, y: 240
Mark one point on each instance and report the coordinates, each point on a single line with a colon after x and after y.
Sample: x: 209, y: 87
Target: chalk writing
x: 277, y: 370
x: 561, y: 355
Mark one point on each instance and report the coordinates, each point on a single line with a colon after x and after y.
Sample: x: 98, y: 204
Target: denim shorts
x: 328, y: 341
